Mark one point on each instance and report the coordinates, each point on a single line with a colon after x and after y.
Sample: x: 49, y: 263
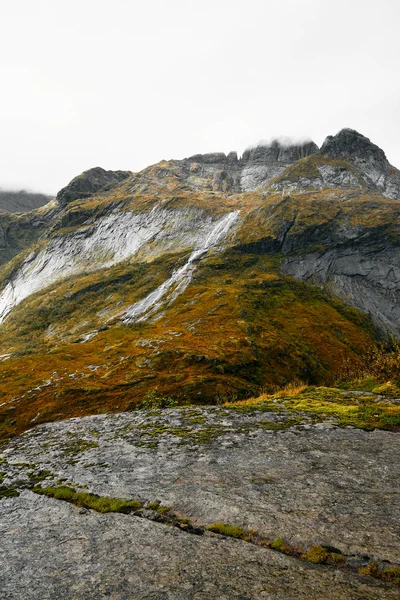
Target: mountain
x: 200, y: 286
x: 203, y: 279
x: 21, y: 201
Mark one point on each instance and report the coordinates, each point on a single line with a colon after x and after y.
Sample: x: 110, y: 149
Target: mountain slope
x: 183, y: 277
x: 21, y: 201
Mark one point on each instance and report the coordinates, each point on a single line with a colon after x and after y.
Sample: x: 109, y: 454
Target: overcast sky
x: 123, y: 84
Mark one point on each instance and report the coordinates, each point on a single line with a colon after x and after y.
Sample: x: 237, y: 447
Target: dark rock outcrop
x: 368, y: 157
x: 90, y: 182
x: 213, y: 158
x: 277, y: 151
x: 349, y: 143
x: 254, y: 169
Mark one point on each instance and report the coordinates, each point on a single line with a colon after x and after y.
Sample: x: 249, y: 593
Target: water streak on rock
x: 180, y: 279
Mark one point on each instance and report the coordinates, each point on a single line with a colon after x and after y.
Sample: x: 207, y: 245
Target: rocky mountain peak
x: 351, y: 143
x: 89, y: 182
x: 359, y: 150
x: 215, y: 158
x: 278, y: 151
x: 275, y: 151
x: 211, y: 158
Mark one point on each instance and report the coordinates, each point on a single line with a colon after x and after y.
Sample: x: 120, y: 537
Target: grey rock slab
x: 52, y: 551
x: 368, y: 280
x: 317, y: 484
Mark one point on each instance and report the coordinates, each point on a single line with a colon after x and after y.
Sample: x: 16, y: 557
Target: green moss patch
x: 78, y: 446
x: 391, y: 574
x: 280, y: 545
x: 8, y: 492
x: 316, y: 554
x: 101, y: 504
x: 342, y: 408
x: 228, y: 530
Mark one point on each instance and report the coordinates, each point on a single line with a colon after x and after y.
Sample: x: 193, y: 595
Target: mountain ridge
x: 199, y: 278
x: 21, y: 201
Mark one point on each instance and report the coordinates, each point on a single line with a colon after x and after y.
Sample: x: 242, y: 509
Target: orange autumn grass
x: 291, y: 389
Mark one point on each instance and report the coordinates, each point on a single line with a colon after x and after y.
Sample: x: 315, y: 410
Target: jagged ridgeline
x: 206, y: 278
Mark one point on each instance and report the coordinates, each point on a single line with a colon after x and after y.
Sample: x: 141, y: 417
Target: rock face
x: 20, y: 231
x: 100, y: 248
x: 279, y: 152
x: 262, y: 164
x: 372, y: 161
x: 308, y: 485
x: 90, y: 182
x: 369, y: 281
x: 359, y: 164
x: 254, y: 169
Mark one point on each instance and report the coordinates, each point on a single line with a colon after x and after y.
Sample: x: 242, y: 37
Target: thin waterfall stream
x: 180, y: 279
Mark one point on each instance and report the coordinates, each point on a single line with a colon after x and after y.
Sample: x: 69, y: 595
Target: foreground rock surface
x: 310, y: 484
x: 52, y: 551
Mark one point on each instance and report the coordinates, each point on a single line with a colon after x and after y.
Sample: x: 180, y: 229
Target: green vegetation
x: 391, y: 574
x: 306, y: 168
x: 8, y: 492
x: 337, y: 559
x: 228, y: 530
x: 162, y: 510
x: 336, y: 405
x: 77, y: 446
x: 86, y: 500
x: 197, y: 435
x: 316, y: 554
x: 155, y: 400
x: 239, y: 328
x: 36, y: 477
x: 382, y: 365
x: 280, y: 545
x: 153, y: 505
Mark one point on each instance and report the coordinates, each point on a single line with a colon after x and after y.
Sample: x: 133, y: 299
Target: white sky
x: 125, y: 83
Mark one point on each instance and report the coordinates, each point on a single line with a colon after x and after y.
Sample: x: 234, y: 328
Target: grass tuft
x: 317, y: 555
x: 8, y: 492
x: 228, y: 530
x: 391, y: 574
x: 280, y: 545
x: 92, y: 501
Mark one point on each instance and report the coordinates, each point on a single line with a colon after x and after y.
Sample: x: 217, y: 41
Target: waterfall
x: 180, y: 279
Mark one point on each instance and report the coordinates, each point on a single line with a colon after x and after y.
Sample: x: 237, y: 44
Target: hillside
x: 207, y: 279
x: 21, y: 201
